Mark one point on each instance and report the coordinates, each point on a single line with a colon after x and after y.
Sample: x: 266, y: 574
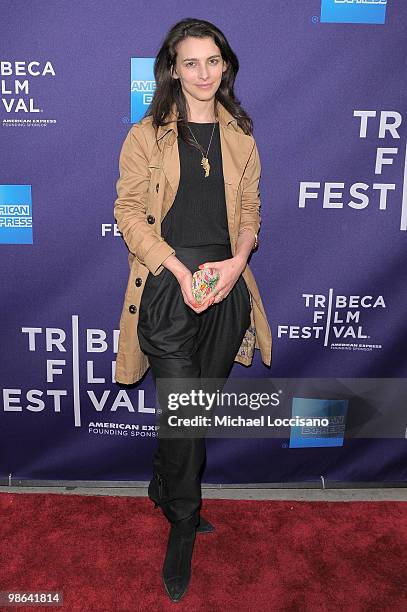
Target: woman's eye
x: 214, y: 61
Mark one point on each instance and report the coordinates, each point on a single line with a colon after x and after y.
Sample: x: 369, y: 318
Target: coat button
x: 138, y: 281
x: 157, y: 187
x: 132, y: 308
x: 151, y: 219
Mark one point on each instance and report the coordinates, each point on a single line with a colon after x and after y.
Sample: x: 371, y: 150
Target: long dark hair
x: 168, y: 90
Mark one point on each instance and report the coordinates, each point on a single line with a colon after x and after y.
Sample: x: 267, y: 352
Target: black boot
x: 204, y: 526
x: 155, y: 493
x: 176, y: 570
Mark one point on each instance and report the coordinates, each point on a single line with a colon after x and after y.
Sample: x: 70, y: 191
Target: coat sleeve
x: 250, y: 217
x: 130, y: 208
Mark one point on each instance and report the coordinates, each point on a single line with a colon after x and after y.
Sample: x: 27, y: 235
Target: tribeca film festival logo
x: 17, y: 100
x: 361, y: 193
x: 335, y: 319
x: 63, y: 362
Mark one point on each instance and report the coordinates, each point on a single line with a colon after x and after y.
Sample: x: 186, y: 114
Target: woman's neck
x: 204, y: 122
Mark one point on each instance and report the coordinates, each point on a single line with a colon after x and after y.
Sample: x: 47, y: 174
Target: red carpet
x: 105, y: 553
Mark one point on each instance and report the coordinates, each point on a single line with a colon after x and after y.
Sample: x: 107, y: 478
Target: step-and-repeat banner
x: 324, y: 81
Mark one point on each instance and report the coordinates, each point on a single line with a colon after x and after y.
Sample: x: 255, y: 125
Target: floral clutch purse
x: 203, y: 282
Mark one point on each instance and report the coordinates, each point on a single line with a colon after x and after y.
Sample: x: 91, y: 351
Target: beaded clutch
x: 203, y: 282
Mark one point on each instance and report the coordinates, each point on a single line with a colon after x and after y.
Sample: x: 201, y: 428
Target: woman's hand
x: 185, y: 282
x: 229, y: 271
x: 184, y: 278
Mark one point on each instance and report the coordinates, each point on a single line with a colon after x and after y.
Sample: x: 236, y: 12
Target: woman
x: 188, y: 198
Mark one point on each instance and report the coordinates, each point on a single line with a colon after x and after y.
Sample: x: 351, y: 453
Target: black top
x: 198, y: 214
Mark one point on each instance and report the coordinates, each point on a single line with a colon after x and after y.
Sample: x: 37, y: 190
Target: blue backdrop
x: 325, y: 85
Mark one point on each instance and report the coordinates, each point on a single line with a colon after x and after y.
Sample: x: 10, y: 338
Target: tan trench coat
x: 146, y: 189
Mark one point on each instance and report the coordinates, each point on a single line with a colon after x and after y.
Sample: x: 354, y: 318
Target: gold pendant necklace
x: 204, y: 161
x: 206, y: 165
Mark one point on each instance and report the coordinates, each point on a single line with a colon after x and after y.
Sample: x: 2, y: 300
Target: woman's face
x: 199, y: 63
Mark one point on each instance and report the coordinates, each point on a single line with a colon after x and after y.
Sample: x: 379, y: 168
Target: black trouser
x: 181, y: 343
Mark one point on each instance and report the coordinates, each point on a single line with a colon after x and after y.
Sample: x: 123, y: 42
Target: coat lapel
x: 236, y: 148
